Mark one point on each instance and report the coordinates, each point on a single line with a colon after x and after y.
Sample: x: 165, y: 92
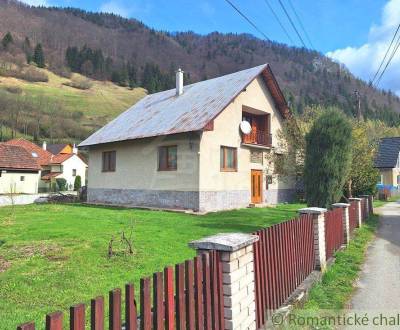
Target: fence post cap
x: 364, y: 196
x: 224, y: 242
x: 355, y: 199
x: 341, y: 205
x: 312, y: 210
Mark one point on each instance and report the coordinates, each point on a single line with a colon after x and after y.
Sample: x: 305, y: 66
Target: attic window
x: 34, y: 155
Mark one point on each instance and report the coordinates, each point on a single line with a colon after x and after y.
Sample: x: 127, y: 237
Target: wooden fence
x: 189, y: 297
x: 283, y: 258
x: 353, y: 216
x: 333, y: 231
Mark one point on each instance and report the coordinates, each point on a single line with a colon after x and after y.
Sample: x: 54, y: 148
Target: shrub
x: 328, y: 158
x: 33, y: 75
x: 62, y: 184
x: 77, y: 183
x: 79, y: 83
x: 14, y: 89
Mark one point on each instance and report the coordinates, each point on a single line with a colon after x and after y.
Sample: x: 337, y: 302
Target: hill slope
x: 306, y: 77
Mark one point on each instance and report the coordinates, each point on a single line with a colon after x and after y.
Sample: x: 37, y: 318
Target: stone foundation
x: 223, y: 200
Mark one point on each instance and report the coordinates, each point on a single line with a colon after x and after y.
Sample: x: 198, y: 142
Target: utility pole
x: 358, y: 104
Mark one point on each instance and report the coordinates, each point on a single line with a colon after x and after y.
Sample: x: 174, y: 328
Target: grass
x: 330, y: 296
x: 57, y: 254
x: 379, y: 203
x: 103, y: 99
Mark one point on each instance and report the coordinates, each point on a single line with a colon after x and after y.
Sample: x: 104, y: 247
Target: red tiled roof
x: 43, y: 156
x: 48, y: 176
x: 16, y: 157
x: 60, y: 158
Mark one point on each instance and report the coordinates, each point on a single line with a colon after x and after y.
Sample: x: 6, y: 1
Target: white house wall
x: 10, y: 182
x: 74, y: 162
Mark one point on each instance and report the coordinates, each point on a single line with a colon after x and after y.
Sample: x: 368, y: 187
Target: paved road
x: 378, y: 288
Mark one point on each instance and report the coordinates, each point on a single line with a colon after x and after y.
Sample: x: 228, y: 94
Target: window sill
x: 228, y: 170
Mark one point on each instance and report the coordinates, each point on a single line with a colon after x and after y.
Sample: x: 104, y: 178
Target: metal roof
x: 388, y: 152
x: 166, y: 113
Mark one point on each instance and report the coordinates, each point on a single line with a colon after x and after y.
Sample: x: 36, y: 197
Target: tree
x: 7, y: 40
x: 38, y: 56
x: 327, y: 159
x: 26, y: 46
x: 363, y: 175
x: 77, y: 183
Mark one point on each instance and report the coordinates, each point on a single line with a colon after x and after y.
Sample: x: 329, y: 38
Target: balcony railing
x: 258, y: 137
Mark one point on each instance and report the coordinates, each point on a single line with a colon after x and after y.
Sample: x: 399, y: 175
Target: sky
x: 354, y: 32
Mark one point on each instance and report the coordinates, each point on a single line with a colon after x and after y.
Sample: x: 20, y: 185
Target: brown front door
x: 256, y: 186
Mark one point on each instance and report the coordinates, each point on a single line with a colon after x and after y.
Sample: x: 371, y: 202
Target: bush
x: 14, y: 89
x: 327, y: 159
x: 30, y: 74
x: 77, y: 183
x: 79, y: 83
x: 62, y: 184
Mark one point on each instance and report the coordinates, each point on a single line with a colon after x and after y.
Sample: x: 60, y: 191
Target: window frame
x: 159, y: 163
x: 109, y: 164
x: 223, y: 168
x: 74, y: 172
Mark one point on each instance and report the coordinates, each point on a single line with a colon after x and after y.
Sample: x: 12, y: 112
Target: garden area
x: 53, y: 256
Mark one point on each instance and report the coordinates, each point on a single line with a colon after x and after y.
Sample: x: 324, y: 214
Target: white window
x: 381, y: 182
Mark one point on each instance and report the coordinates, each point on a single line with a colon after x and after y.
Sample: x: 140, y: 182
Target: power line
x: 291, y: 22
x: 279, y: 21
x: 387, y: 52
x: 389, y: 60
x: 248, y: 20
x: 301, y: 24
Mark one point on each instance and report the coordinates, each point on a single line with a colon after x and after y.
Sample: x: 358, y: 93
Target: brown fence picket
x: 189, y: 276
x: 158, y: 301
x: 207, y: 291
x: 180, y: 296
x: 26, y: 326
x: 169, y: 298
x: 54, y: 321
x: 198, y: 292
x: 97, y: 313
x: 130, y: 308
x: 77, y: 317
x: 145, y: 304
x: 115, y: 309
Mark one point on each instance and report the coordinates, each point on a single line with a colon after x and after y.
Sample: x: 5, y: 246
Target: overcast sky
x: 355, y: 32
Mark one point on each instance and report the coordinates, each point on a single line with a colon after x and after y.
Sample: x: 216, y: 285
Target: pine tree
x: 7, y: 40
x: 328, y: 158
x: 77, y: 183
x: 26, y: 46
x: 38, y: 56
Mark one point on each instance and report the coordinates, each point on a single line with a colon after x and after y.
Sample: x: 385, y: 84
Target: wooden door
x: 256, y: 186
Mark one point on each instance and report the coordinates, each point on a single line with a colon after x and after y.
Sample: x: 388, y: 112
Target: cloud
x: 36, y: 2
x: 364, y: 61
x: 123, y: 9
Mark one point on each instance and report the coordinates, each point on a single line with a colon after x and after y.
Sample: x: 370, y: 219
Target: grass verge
x: 328, y: 297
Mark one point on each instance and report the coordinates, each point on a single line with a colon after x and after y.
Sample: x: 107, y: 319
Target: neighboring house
x: 64, y: 148
x: 183, y: 148
x: 66, y: 164
x: 19, y: 171
x: 388, y: 161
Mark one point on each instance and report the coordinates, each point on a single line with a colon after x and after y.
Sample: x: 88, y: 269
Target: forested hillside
x: 106, y: 47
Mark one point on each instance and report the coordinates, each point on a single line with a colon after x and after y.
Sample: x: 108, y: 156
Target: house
x: 63, y: 148
x: 387, y: 161
x: 66, y: 164
x: 203, y: 147
x: 19, y: 170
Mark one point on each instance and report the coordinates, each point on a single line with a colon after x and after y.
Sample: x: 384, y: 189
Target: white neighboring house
x: 66, y: 164
x: 19, y: 171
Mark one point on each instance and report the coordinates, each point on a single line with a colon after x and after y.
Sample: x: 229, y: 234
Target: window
x: 109, y: 160
x: 74, y: 172
x: 228, y: 158
x: 167, y: 158
x: 22, y: 178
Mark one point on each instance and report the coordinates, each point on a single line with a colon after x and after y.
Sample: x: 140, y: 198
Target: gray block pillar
x: 345, y: 217
x: 318, y: 215
x: 237, y: 260
x: 358, y: 212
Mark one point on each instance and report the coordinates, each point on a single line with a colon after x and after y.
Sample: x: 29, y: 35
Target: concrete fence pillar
x: 345, y: 217
x: 358, y: 209
x: 236, y: 251
x: 366, y: 206
x: 318, y: 215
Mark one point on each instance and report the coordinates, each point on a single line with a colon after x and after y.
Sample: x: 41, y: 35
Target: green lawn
x: 56, y: 255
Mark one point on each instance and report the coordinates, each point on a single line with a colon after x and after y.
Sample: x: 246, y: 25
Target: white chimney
x: 74, y: 149
x: 44, y: 146
x: 179, y: 82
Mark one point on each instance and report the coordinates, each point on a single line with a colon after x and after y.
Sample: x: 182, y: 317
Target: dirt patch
x: 4, y: 264
x: 51, y: 251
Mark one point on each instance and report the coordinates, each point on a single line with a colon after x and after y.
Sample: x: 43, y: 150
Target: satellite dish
x: 245, y: 127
